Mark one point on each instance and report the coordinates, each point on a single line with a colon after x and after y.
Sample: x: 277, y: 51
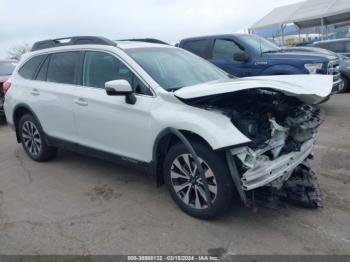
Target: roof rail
x: 148, y: 40
x: 74, y: 40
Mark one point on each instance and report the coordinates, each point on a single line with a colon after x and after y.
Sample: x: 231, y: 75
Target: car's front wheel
x: 186, y: 186
x: 346, y: 84
x: 32, y: 138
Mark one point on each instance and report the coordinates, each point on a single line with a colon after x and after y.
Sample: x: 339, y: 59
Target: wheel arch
x: 345, y: 77
x: 165, y: 139
x: 19, y: 111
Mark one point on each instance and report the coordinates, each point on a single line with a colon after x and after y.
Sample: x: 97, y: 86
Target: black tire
x: 30, y: 133
x: 346, y: 84
x: 223, y: 181
x: 2, y: 119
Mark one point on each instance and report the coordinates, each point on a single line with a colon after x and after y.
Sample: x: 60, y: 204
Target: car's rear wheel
x: 33, y: 139
x: 186, y: 186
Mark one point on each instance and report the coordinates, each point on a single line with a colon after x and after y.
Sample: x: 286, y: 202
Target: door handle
x: 80, y: 102
x: 35, y: 92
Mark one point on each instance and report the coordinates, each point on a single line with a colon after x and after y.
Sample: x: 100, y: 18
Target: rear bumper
x: 266, y: 171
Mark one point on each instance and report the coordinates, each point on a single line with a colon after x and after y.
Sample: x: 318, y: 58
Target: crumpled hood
x: 310, y: 89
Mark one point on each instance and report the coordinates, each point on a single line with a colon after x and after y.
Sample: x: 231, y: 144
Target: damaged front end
x: 282, y: 131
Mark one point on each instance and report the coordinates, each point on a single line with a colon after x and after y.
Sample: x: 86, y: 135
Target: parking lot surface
x: 81, y: 205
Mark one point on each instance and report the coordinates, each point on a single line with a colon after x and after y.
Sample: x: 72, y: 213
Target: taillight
x: 6, y: 86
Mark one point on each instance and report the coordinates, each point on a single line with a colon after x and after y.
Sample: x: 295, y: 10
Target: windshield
x: 260, y: 44
x: 6, y: 68
x: 173, y: 68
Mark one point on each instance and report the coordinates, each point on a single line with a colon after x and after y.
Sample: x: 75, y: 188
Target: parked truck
x: 244, y: 55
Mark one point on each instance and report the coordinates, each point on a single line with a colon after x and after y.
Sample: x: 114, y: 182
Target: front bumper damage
x: 279, y: 168
x: 288, y: 177
x: 264, y: 171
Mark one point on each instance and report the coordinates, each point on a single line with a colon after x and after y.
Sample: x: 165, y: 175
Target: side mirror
x: 241, y: 57
x: 120, y: 88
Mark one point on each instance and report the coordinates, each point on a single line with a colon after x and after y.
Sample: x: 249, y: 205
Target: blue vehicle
x: 244, y: 55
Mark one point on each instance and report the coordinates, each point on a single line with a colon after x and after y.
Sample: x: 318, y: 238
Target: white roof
x: 279, y: 15
x: 307, y: 13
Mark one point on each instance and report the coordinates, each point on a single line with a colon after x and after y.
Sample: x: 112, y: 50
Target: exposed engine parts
x: 304, y: 122
x: 251, y: 111
x: 282, y: 130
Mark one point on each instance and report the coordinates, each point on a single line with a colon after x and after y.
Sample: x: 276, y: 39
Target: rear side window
x: 62, y: 67
x: 30, y: 67
x: 43, y: 70
x: 198, y: 47
x: 225, y: 49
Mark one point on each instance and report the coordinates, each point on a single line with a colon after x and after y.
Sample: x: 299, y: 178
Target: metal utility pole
x: 282, y: 26
x: 322, y: 28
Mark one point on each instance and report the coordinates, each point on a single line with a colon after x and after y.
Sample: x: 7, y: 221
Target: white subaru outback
x: 209, y: 136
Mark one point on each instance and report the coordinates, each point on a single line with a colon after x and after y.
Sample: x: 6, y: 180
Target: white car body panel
x: 265, y: 137
x: 308, y: 88
x: 55, y: 98
x: 146, y: 119
x: 216, y: 128
x: 99, y: 123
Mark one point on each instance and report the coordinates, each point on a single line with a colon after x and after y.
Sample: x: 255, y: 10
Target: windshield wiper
x: 174, y: 88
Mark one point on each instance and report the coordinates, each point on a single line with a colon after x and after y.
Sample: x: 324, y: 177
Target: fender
x: 186, y: 142
x: 26, y: 107
x: 281, y: 70
x: 159, y: 137
x: 214, y: 127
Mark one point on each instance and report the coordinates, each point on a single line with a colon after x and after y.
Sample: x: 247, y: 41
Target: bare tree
x: 16, y: 51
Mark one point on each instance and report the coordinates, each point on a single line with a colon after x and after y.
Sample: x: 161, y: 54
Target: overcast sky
x: 26, y: 21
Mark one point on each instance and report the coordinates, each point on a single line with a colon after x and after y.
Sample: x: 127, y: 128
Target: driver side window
x: 225, y: 49
x: 100, y: 67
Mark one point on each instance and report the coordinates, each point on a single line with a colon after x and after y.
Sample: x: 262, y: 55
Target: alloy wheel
x: 187, y: 183
x: 31, y: 138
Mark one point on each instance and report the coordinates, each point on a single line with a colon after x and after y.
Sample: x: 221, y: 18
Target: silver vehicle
x: 339, y: 46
